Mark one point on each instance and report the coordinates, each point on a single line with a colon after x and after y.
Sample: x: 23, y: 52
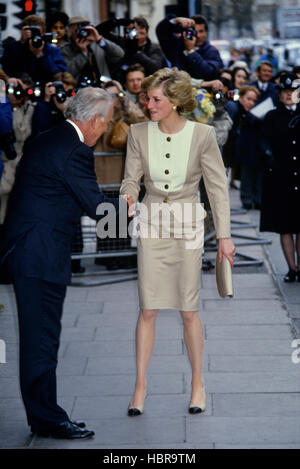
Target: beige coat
x: 169, y: 272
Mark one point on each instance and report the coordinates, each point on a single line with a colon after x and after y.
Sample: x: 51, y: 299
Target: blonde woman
x: 172, y: 154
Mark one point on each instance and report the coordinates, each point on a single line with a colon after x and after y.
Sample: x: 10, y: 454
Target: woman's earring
x: 174, y: 108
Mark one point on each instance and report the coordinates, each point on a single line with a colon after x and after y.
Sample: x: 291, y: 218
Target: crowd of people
x: 56, y: 118
x: 41, y: 76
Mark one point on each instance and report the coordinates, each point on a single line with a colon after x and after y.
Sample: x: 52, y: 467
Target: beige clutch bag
x: 224, y: 277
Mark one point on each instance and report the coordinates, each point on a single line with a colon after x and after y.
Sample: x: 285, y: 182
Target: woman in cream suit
x: 172, y: 154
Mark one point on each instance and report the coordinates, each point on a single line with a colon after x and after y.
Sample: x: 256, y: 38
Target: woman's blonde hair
x: 176, y: 87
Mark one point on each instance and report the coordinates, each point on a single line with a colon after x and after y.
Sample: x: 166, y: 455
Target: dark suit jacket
x: 55, y: 184
x: 271, y: 92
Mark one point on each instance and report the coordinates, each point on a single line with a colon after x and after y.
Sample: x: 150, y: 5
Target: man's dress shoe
x: 68, y: 431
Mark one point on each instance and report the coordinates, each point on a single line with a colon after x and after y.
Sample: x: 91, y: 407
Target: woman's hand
x: 227, y: 249
x: 131, y: 204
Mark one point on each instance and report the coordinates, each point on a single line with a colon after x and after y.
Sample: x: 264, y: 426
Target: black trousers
x: 40, y: 306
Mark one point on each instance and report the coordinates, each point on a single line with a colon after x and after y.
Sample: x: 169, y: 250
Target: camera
x: 83, y: 32
x: 190, y: 33
x: 37, y: 38
x: 86, y: 82
x: 219, y: 96
x: 60, y: 93
x: 234, y: 95
x: 51, y: 38
x: 131, y: 33
x: 19, y: 92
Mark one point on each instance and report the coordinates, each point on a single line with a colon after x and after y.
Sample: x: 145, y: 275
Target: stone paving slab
x: 239, y: 430
x: 253, y: 405
x: 251, y: 382
x: 267, y: 347
x: 248, y: 332
x: 244, y: 317
x: 246, y: 363
x: 242, y: 281
x: 69, y: 367
x: 115, y: 385
x: 14, y: 435
x: 156, y: 406
x: 12, y: 409
x: 122, y: 365
x: 243, y: 293
x: 79, y: 307
x: 122, y: 321
x: 243, y: 305
x: 106, y: 348
x: 162, y: 332
x: 134, y: 432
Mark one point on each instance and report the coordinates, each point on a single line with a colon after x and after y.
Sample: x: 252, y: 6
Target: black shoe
x: 291, y: 276
x: 67, y: 431
x: 257, y: 206
x: 247, y: 206
x: 298, y: 275
x: 79, y: 423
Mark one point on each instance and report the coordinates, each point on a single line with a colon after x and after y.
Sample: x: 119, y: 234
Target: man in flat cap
x: 88, y: 54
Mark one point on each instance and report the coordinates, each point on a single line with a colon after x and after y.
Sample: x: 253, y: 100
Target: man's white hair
x: 87, y: 103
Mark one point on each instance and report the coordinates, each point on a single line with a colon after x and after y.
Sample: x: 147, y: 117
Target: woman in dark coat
x: 280, y: 211
x: 242, y: 147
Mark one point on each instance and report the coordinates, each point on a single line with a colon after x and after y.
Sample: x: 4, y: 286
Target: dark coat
x: 281, y: 187
x: 45, y: 116
x: 18, y: 59
x: 55, y: 184
x: 149, y: 55
x: 204, y: 63
x: 271, y: 92
x: 242, y: 146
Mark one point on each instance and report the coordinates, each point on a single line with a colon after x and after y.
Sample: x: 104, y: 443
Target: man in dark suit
x: 263, y: 83
x: 55, y: 184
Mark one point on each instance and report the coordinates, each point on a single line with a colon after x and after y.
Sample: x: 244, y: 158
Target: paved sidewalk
x: 253, y: 387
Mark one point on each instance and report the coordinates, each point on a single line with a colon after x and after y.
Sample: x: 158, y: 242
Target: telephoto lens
x: 132, y: 33
x: 190, y: 33
x: 36, y: 37
x: 82, y: 32
x: 16, y: 91
x: 60, y: 93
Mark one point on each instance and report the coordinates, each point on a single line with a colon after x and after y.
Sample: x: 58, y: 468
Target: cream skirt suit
x: 171, y: 218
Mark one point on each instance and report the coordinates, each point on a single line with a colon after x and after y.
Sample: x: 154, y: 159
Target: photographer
x: 49, y: 112
x: 32, y: 54
x: 134, y: 76
x: 22, y: 111
x: 88, y: 53
x: 136, y: 44
x: 184, y: 43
